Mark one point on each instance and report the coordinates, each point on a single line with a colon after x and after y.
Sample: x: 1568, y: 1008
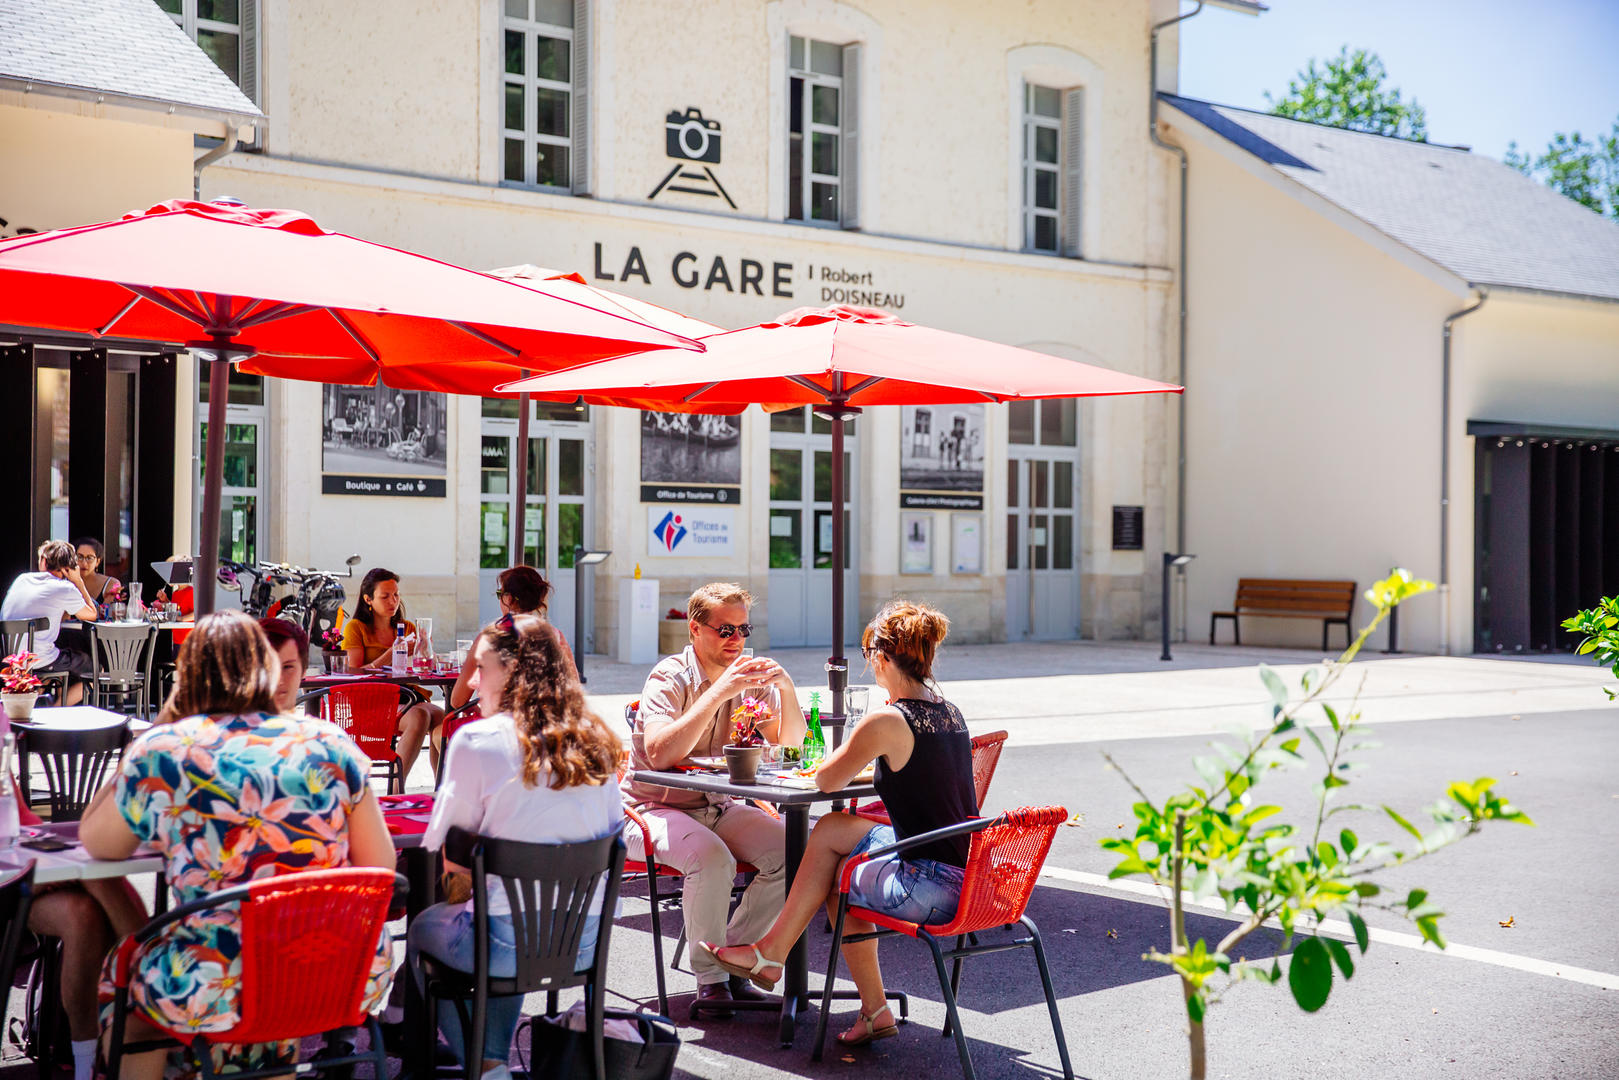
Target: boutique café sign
x: 808, y: 283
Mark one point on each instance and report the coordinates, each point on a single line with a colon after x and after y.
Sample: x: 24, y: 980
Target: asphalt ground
x: 1532, y: 1000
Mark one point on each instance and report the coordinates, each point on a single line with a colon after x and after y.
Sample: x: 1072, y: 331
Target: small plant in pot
x: 22, y: 686
x: 331, y: 650
x: 747, y: 744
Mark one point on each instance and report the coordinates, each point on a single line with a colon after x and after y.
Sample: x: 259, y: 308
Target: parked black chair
x: 17, y: 635
x: 121, y: 666
x: 549, y: 888
x: 16, y: 896
x: 75, y: 764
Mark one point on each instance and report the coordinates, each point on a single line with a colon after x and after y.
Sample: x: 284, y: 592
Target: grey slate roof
x: 122, y: 48
x: 1485, y: 222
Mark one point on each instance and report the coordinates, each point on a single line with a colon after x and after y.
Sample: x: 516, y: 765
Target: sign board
x: 1127, y: 529
x: 694, y: 532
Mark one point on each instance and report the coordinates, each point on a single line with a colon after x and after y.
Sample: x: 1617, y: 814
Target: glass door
x: 241, y: 503
x: 1042, y: 489
x: 554, y: 504
x: 801, y: 525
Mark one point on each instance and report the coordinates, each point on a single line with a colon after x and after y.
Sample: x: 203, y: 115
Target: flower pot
x: 743, y: 763
x: 673, y: 635
x: 19, y: 706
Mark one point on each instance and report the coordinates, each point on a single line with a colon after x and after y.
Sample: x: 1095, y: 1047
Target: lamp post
x: 1170, y: 559
x: 581, y: 558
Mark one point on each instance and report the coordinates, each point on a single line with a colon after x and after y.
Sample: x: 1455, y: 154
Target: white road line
x: 1335, y: 928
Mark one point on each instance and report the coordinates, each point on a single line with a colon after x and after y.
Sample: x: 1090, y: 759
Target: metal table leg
x: 795, y: 976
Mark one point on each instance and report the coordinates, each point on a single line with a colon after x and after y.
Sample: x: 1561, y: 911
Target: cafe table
x: 795, y: 802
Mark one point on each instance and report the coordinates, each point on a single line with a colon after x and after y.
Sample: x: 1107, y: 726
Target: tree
x: 1600, y: 625
x: 1348, y: 92
x: 1585, y: 171
x: 1218, y: 840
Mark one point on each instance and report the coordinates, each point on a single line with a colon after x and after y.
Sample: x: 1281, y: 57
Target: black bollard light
x: 1170, y: 560
x: 581, y: 558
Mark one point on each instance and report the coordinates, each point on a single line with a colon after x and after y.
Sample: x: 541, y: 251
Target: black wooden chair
x: 75, y: 764
x: 549, y: 888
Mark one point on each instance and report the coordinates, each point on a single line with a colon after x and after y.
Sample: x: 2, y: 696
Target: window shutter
x: 248, y: 62
x: 1073, y: 170
x: 849, y: 140
x: 579, y: 151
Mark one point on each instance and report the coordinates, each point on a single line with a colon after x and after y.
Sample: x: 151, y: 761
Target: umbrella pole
x: 520, y: 500
x: 207, y: 564
x: 837, y: 666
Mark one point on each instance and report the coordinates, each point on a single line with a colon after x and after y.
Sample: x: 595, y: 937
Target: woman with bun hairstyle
x: 520, y: 590
x: 924, y: 775
x: 540, y: 767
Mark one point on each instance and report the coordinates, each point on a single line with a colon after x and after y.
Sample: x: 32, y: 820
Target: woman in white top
x: 539, y: 767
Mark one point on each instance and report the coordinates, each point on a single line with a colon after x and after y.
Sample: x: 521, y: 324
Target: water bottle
x: 10, y: 825
x: 400, y: 661
x: 814, y: 738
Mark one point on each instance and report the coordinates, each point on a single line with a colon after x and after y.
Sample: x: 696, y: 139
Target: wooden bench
x: 1279, y: 598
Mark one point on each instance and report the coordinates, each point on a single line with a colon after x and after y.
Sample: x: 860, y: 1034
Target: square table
x: 795, y: 803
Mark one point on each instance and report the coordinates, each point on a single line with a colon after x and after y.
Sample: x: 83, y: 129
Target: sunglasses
x: 870, y: 651
x: 729, y: 630
x: 500, y: 594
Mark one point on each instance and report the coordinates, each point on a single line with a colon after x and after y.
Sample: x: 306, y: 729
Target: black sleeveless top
x: 935, y: 788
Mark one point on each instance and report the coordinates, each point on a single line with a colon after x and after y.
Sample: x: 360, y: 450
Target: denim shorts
x: 922, y: 891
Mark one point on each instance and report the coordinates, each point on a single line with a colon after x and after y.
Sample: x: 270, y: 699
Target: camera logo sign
x: 691, y: 531
x: 694, y: 143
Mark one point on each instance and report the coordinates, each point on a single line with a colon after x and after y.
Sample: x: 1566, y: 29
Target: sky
x: 1487, y: 71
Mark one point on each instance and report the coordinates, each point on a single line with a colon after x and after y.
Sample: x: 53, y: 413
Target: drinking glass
x: 120, y: 612
x: 855, y: 701
x: 747, y: 654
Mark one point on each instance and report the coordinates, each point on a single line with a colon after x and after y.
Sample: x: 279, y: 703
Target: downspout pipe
x: 229, y: 146
x: 1444, y: 468
x: 1180, y: 287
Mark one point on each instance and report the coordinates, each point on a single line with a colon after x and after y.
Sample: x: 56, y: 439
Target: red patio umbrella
x: 837, y: 360
x: 275, y: 291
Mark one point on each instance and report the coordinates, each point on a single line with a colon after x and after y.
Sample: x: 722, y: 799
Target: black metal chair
x: 549, y: 888
x: 16, y: 896
x: 75, y: 764
x: 121, y: 666
x: 17, y: 635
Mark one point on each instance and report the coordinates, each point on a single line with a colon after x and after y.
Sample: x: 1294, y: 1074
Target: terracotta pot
x: 743, y: 762
x: 19, y: 706
x: 673, y: 635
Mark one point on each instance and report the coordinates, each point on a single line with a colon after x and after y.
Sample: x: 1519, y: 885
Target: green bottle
x: 814, y: 739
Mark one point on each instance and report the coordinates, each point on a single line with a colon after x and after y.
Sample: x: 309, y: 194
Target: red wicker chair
x: 1003, y: 865
x: 308, y: 941
x: 986, y: 755
x: 369, y: 711
x: 454, y: 721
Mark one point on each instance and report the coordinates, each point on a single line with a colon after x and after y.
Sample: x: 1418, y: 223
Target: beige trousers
x: 705, y: 845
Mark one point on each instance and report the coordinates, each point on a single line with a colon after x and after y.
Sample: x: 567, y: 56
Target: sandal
x: 872, y: 1032
x: 755, y: 974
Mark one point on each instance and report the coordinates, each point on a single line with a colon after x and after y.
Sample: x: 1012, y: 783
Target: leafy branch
x: 1600, y: 625
x: 1220, y: 836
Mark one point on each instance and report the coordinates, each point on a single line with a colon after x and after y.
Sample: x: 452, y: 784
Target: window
x: 543, y: 116
x: 227, y: 30
x: 1057, y: 422
x: 822, y: 140
x: 1051, y: 169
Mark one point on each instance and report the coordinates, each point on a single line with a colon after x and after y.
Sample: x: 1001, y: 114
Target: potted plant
x: 21, y: 685
x: 332, y: 654
x: 747, y: 743
x: 673, y: 633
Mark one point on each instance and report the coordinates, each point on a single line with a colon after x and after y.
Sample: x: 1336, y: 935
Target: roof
x: 130, y: 50
x: 1483, y: 221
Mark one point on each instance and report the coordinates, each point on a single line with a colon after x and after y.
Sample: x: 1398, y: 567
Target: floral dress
x: 225, y: 800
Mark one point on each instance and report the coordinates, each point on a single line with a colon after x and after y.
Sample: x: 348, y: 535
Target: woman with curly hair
x: 540, y: 768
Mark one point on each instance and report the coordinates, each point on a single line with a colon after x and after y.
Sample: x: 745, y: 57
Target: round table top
x: 78, y: 718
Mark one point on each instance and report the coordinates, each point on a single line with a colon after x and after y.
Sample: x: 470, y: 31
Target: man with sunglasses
x: 685, y: 711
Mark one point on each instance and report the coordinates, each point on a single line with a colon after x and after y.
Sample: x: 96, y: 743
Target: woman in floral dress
x: 231, y: 793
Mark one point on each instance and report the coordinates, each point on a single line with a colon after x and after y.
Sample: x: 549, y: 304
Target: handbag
x: 560, y: 1053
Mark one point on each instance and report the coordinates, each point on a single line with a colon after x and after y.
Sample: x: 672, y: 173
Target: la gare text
x: 690, y: 270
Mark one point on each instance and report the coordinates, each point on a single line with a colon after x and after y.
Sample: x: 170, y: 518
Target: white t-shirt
x: 483, y: 792
x: 40, y: 594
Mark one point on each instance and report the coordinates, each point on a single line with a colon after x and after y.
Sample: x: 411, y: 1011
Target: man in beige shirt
x: 685, y: 711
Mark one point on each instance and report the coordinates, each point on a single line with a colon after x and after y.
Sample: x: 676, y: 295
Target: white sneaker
x: 499, y: 1072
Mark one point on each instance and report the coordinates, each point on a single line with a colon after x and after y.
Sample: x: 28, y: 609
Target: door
x: 1042, y: 522
x: 555, y: 506
x: 800, y: 611
x: 241, y: 503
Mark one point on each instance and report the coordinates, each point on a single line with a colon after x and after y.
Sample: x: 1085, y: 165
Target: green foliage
x: 1218, y: 836
x: 1347, y: 91
x: 1600, y: 625
x: 1573, y: 166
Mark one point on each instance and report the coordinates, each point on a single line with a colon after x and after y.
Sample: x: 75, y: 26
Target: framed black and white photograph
x: 941, y: 456
x: 376, y: 440
x: 690, y: 458
x: 916, y: 543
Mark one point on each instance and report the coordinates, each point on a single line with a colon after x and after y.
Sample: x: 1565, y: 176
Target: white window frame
x: 531, y: 137
x: 804, y: 151
x: 247, y: 38
x: 1083, y: 86
x: 1033, y: 123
